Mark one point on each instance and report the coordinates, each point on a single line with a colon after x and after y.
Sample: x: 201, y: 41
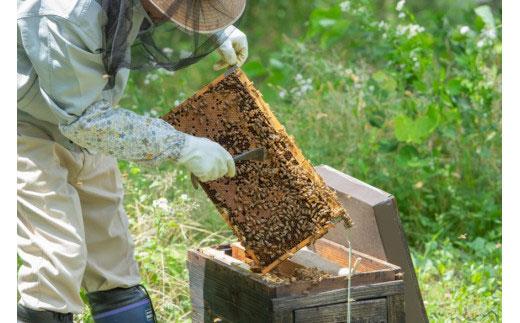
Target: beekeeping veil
x: 179, y: 33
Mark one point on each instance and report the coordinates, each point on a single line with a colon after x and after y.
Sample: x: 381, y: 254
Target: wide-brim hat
x: 201, y: 16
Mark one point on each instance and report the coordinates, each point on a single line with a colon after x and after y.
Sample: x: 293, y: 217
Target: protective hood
x: 189, y: 30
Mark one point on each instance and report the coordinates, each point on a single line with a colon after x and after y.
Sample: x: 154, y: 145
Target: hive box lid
x: 376, y: 231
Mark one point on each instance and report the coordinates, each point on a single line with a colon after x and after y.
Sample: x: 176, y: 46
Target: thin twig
x: 349, y: 279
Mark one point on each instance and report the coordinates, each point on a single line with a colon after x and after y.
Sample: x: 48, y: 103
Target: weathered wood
x: 238, y: 252
x: 224, y: 292
x: 223, y: 288
x: 371, y: 271
x: 377, y: 231
x: 283, y: 317
x: 358, y: 293
x: 396, y: 308
x: 373, y: 310
x: 223, y: 257
x: 339, y: 254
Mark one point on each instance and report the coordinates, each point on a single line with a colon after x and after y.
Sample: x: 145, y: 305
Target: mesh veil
x: 167, y: 45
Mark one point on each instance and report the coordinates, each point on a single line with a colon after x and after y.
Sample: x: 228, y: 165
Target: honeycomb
x: 277, y: 206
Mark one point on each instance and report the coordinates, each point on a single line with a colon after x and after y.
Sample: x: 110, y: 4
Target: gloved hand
x: 233, y: 50
x: 206, y: 159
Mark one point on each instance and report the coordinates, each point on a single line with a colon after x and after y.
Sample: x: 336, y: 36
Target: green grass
x: 461, y: 286
x: 417, y: 115
x: 457, y: 284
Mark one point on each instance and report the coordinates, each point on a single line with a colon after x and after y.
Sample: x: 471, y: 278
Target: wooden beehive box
x: 223, y: 289
x: 274, y: 207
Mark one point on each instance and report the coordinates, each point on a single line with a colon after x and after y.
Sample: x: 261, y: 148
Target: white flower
x: 401, y: 15
x: 150, y: 77
x: 360, y: 11
x: 306, y: 88
x: 162, y: 204
x: 184, y: 197
x: 410, y: 30
x: 464, y: 30
x: 303, y: 85
x: 490, y: 33
x: 486, y: 38
x: 282, y: 94
x: 400, y: 5
x: 382, y: 24
x: 344, y: 6
x: 401, y: 30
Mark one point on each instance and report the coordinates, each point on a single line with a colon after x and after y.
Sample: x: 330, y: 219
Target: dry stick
x: 163, y: 278
x: 351, y: 271
x: 349, y: 278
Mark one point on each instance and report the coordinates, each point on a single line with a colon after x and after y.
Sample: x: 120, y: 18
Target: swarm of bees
x: 310, y: 274
x: 274, y: 205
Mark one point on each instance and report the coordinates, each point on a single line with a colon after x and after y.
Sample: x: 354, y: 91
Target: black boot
x: 27, y: 315
x: 128, y: 305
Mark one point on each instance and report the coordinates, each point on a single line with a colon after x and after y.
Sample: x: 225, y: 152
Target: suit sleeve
x: 71, y: 78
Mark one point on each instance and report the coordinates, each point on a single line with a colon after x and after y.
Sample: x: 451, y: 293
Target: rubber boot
x: 27, y: 315
x: 128, y: 305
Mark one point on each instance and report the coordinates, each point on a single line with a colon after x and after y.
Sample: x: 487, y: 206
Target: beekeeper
x: 74, y: 58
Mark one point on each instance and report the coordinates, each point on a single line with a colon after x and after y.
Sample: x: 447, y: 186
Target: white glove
x: 233, y: 50
x: 206, y: 159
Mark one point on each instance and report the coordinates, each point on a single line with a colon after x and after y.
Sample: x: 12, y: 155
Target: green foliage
x: 416, y: 131
x: 426, y: 114
x: 462, y: 280
x: 407, y: 100
x: 328, y: 24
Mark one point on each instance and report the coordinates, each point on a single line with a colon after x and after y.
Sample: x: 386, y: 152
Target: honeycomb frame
x: 275, y: 207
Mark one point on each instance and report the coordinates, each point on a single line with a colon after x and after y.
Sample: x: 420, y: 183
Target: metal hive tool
x: 277, y: 206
